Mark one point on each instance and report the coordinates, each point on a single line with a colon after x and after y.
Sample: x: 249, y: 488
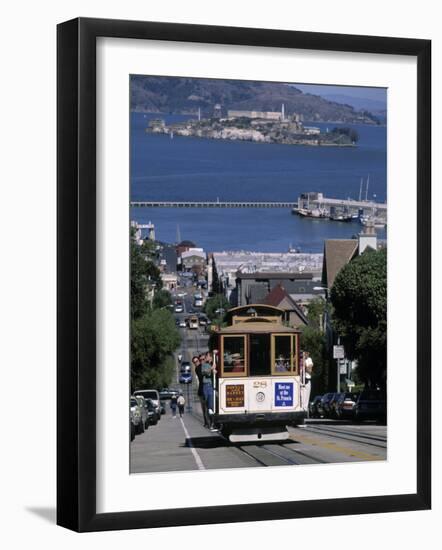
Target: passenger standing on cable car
x: 197, y: 365
x: 308, y: 370
x: 208, y: 371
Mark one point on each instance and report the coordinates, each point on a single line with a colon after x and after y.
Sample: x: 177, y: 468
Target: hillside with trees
x: 187, y: 95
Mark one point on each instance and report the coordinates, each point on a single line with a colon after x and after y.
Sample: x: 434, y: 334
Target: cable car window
x: 233, y: 359
x: 282, y: 354
x: 259, y: 355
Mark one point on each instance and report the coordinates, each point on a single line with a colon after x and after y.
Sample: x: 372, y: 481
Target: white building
x: 228, y: 264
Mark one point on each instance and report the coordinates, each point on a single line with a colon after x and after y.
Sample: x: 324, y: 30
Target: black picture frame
x: 76, y: 274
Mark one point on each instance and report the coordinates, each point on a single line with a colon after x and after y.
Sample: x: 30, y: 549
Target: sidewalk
x: 165, y: 447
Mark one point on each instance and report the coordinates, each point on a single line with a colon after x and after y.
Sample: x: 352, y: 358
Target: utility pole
x: 338, y: 365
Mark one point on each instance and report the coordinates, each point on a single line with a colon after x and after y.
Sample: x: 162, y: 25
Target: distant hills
x: 187, y: 95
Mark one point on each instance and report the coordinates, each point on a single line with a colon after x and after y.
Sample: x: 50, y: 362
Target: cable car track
x: 357, y: 438
x: 257, y: 453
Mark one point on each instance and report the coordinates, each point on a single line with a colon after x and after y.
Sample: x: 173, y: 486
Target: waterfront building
x: 146, y: 227
x: 226, y: 266
x: 193, y: 258
x: 268, y: 115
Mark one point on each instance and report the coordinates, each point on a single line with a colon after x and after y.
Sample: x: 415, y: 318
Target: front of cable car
x: 258, y: 388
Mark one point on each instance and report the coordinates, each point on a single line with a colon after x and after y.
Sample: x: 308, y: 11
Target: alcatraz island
x: 256, y: 126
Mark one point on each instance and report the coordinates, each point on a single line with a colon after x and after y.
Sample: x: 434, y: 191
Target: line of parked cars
x: 146, y: 409
x: 365, y: 405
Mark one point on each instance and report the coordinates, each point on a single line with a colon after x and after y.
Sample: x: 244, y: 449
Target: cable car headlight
x: 260, y: 396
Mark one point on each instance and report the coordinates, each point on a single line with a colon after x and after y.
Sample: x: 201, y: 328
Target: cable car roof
x: 257, y: 327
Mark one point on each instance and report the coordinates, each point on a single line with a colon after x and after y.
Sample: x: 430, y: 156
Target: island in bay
x: 266, y: 112
x: 256, y: 126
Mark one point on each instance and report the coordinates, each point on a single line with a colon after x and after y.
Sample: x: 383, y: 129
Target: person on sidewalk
x: 173, y: 404
x: 197, y: 366
x: 181, y: 402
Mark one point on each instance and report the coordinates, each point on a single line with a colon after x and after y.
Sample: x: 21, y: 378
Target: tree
x: 162, y: 299
x: 313, y: 340
x: 216, y: 306
x: 144, y: 276
x: 359, y: 298
x: 154, y: 337
x: 346, y: 131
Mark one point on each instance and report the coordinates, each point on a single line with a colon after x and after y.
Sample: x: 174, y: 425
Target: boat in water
x: 315, y: 213
x: 341, y: 218
x: 378, y: 223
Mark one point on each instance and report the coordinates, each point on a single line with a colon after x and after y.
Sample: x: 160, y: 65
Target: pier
x: 213, y: 204
x: 308, y: 200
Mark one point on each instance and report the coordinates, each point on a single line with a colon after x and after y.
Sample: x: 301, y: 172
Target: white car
x: 182, y: 323
x: 179, y: 309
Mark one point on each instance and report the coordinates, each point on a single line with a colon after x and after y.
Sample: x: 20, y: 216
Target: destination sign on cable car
x: 235, y: 395
x: 283, y: 394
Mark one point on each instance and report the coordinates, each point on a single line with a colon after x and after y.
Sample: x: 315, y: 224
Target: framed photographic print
x: 243, y: 274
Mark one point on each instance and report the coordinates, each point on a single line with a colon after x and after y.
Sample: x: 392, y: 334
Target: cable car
x: 259, y: 387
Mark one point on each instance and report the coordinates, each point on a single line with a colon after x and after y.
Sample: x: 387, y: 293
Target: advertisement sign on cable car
x: 283, y: 394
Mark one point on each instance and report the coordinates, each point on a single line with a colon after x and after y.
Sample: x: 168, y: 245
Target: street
x: 177, y: 444
x: 182, y: 444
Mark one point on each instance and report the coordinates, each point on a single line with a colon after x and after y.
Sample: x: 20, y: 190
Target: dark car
x: 333, y: 403
x: 151, y: 412
x: 185, y: 366
x: 370, y: 405
x: 185, y: 377
x: 324, y: 406
x: 313, y: 407
x: 344, y: 405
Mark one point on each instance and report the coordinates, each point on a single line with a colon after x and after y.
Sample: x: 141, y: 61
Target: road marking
x: 334, y: 447
x: 196, y: 456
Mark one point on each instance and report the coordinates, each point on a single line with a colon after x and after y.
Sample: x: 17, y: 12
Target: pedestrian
x: 208, y: 370
x: 181, y: 402
x: 197, y: 366
x: 173, y: 404
x: 307, y: 375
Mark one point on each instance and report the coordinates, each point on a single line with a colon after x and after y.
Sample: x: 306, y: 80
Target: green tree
x: 216, y: 306
x: 162, y: 299
x: 313, y: 340
x: 154, y: 337
x: 359, y: 298
x: 144, y: 276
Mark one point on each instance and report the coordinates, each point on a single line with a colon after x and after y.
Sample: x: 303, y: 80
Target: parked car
x: 185, y: 377
x: 166, y: 393
x: 333, y: 404
x: 151, y: 413
x: 155, y: 396
x: 143, y: 408
x: 136, y: 415
x: 132, y: 428
x: 313, y: 407
x: 370, y: 405
x: 325, y: 404
x: 344, y: 406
